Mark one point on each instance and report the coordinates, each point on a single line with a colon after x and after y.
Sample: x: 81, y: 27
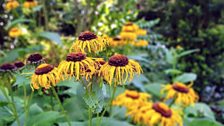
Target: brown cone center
x: 7, y: 66
x: 75, y: 57
x: 132, y: 95
x: 44, y: 69
x: 117, y: 39
x: 180, y: 88
x: 19, y: 64
x: 87, y: 35
x: 35, y: 57
x: 118, y: 60
x: 163, y: 111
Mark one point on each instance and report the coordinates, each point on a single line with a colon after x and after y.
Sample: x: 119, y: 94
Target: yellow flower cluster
x: 116, y: 71
x: 15, y: 32
x: 128, y: 35
x: 11, y: 4
x: 30, y: 3
x: 145, y: 112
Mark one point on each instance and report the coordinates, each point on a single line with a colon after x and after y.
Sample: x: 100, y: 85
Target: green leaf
x: 52, y: 36
x: 154, y: 89
x: 44, y: 118
x: 138, y: 81
x: 186, y: 77
x: 187, y: 52
x: 21, y: 80
x: 200, y: 110
x: 17, y: 21
x: 173, y: 71
x: 203, y: 122
x: 170, y: 58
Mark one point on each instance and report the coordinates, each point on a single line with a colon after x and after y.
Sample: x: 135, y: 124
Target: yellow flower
x: 179, y: 47
x: 77, y: 64
x: 89, y: 42
x: 15, y: 32
x: 117, y: 41
x: 140, y: 43
x: 181, y: 93
x: 129, y: 26
x: 119, y: 69
x: 157, y: 114
x: 128, y: 35
x: 130, y: 99
x: 30, y: 3
x: 11, y: 4
x: 45, y: 76
x: 141, y: 32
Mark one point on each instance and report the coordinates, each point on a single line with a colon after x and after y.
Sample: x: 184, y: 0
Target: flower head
x: 156, y: 114
x: 77, y: 64
x: 119, y: 69
x: 45, y: 76
x: 30, y: 3
x: 140, y: 43
x: 11, y: 4
x: 130, y: 98
x: 181, y: 93
x: 35, y: 58
x: 7, y: 67
x: 19, y: 65
x: 89, y: 42
x: 15, y: 32
x: 117, y: 41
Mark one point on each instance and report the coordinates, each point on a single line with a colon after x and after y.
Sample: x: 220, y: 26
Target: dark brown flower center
x: 29, y: 0
x: 75, y: 57
x: 132, y: 95
x: 163, y: 110
x: 7, y: 66
x: 44, y: 69
x: 35, y: 57
x: 180, y: 88
x: 87, y: 35
x: 116, y: 38
x: 118, y: 60
x: 19, y: 64
x: 128, y: 24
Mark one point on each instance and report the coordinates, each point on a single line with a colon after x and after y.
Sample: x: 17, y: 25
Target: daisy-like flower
x: 15, y: 32
x: 119, y: 69
x: 117, y: 41
x: 181, y: 93
x: 141, y: 32
x: 30, y: 3
x: 128, y: 35
x: 157, y: 114
x: 89, y: 42
x: 77, y: 64
x: 35, y: 58
x: 11, y: 4
x: 45, y: 76
x: 129, y: 26
x: 7, y: 67
x: 130, y: 99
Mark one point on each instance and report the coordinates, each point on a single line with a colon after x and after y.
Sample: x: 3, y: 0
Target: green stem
x: 62, y: 108
x: 28, y: 106
x: 45, y: 15
x: 90, y: 116
x: 25, y: 103
x: 112, y: 98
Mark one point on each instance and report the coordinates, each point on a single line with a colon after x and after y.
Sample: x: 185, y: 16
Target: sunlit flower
x: 30, y: 3
x: 19, y: 65
x: 141, y: 32
x: 128, y: 35
x: 129, y: 26
x: 45, y: 76
x: 35, y: 58
x: 131, y: 98
x: 119, y: 69
x: 117, y: 41
x: 11, y: 4
x: 157, y: 114
x: 7, y: 67
x: 140, y: 43
x: 89, y: 42
x: 181, y: 93
x: 15, y: 32
x: 77, y: 64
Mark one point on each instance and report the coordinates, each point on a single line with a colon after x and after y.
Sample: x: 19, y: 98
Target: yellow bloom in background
x: 45, y: 76
x: 117, y: 41
x: 77, y: 64
x: 157, y: 114
x: 11, y: 4
x: 140, y: 43
x: 181, y: 93
x: 89, y: 42
x: 30, y: 3
x: 141, y: 32
x: 15, y: 32
x: 128, y: 35
x: 119, y: 69
x: 129, y: 26
x: 130, y: 99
